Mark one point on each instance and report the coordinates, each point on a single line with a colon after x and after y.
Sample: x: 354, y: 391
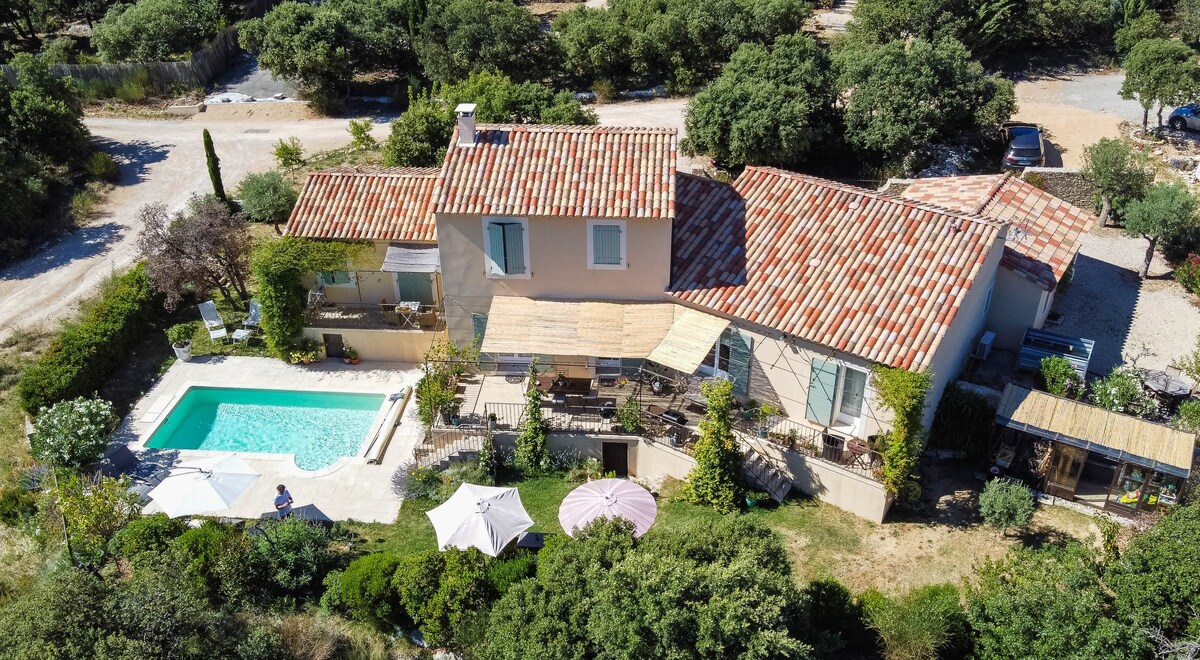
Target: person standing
x: 283, y: 501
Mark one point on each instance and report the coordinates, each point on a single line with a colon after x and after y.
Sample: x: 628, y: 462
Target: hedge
x: 83, y: 355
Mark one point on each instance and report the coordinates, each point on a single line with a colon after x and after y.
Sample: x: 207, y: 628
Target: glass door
x: 1065, y: 467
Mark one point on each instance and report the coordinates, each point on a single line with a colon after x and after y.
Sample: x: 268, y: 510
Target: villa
x: 582, y: 247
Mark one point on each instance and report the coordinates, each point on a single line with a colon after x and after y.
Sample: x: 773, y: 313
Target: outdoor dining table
x: 1165, y: 384
x: 409, y: 312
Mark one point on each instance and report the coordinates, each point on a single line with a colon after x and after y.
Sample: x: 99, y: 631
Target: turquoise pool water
x: 318, y: 427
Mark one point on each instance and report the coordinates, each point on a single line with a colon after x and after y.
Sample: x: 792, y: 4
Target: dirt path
x: 1076, y: 110
x: 161, y: 161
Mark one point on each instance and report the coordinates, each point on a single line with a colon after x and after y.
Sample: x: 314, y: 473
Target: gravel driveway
x: 1126, y: 317
x: 161, y: 161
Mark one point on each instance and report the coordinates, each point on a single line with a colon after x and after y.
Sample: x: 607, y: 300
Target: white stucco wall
x: 383, y: 345
x: 1017, y: 304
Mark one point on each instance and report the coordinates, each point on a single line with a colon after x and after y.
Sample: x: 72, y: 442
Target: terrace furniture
x: 212, y: 320
x: 409, y: 312
x: 673, y: 416
x: 254, y: 318
x: 241, y: 334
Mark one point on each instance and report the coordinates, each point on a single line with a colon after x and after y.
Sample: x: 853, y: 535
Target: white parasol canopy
x: 203, y: 485
x: 608, y: 498
x: 484, y: 517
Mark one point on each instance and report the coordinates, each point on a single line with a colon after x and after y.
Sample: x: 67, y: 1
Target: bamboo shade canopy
x: 1115, y: 435
x: 688, y: 342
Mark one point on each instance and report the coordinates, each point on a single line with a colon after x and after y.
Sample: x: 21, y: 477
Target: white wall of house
x: 964, y: 331
x: 1017, y: 304
x: 557, y: 265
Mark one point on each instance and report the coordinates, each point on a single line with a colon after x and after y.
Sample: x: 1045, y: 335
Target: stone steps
x: 765, y: 476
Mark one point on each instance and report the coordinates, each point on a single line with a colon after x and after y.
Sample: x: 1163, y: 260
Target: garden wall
x: 383, y: 345
x: 1066, y: 184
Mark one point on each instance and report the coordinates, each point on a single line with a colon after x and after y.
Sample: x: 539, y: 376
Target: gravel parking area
x: 1154, y: 321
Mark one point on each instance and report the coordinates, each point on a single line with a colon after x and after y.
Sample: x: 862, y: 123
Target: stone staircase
x: 759, y: 471
x: 449, y: 447
x: 836, y: 18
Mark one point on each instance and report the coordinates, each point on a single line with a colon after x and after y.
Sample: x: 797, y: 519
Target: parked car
x: 1025, y: 147
x: 1185, y: 116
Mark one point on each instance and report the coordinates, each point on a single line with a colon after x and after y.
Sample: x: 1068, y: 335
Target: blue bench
x: 1038, y: 344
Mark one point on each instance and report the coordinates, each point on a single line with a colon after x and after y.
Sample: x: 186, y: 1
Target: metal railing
x: 446, y: 445
x: 382, y: 316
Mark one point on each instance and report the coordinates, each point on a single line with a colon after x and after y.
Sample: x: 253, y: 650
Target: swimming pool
x: 317, y: 427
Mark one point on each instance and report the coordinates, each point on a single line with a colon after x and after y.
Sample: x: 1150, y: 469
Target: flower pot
x: 346, y: 360
x: 183, y: 351
x: 306, y: 361
x: 355, y: 360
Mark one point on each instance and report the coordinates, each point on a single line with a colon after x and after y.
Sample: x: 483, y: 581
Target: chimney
x: 466, y: 124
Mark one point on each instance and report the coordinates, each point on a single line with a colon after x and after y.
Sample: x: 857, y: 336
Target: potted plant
x: 622, y: 381
x: 765, y: 413
x: 180, y: 337
x: 349, y: 355
x: 491, y: 421
x: 750, y: 410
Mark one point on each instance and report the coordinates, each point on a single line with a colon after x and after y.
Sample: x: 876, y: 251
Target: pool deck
x: 350, y: 489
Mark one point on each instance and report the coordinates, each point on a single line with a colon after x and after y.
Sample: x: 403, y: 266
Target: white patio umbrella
x: 203, y: 485
x: 484, y: 517
x: 608, y: 498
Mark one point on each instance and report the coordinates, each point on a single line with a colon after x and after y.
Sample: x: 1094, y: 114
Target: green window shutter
x: 479, y: 323
x: 821, y: 385
x: 496, y: 248
x: 740, y: 355
x: 514, y: 249
x: 606, y: 245
x: 415, y: 287
x: 324, y: 279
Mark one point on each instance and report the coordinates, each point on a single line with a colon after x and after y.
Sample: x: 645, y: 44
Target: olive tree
x: 1165, y: 210
x: 1005, y: 503
x: 1118, y: 173
x: 267, y: 197
x: 1159, y: 71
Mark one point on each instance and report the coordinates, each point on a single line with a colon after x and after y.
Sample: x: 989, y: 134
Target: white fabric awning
x: 670, y: 334
x: 689, y: 339
x: 412, y: 258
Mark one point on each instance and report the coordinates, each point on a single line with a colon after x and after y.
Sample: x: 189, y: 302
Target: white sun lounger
x: 255, y: 317
x: 212, y: 320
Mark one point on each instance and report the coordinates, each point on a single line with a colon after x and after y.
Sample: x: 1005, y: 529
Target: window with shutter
x: 495, y: 233
x: 822, y: 387
x: 514, y: 249
x: 854, y: 385
x: 606, y: 244
x: 335, y: 278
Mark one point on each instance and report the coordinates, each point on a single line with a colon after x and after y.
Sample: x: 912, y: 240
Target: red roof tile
x: 855, y: 270
x: 372, y: 203
x: 577, y: 171
x: 1045, y: 231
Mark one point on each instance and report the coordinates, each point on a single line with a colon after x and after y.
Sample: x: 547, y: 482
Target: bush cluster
x: 155, y: 30
x: 74, y: 433
x: 85, y: 353
x: 1188, y: 273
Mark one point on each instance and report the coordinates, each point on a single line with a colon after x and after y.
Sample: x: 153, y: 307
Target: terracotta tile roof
x: 372, y: 203
x: 577, y: 171
x: 1045, y: 230
x: 852, y: 269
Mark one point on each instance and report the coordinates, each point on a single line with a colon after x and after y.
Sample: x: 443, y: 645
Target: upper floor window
x: 507, y: 246
x: 606, y: 244
x: 836, y: 393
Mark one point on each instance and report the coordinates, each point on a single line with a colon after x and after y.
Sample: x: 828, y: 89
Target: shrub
x: 82, y: 356
x: 963, y: 422
x: 181, y: 332
x: 630, y: 415
x: 457, y: 475
x: 366, y: 588
x: 1188, y: 417
x: 1157, y: 578
x: 717, y: 478
x: 297, y: 552
x: 926, y: 623
x: 434, y: 395
x: 267, y: 197
x: 504, y: 573
x: 1188, y: 273
x: 278, y: 266
x: 94, y: 509
x: 155, y: 30
x: 16, y: 506
x: 1060, y: 377
x: 531, y: 454
x: 153, y: 533
x: 1005, y: 503
x: 422, y: 483
x: 261, y: 643
x: 102, y: 167
x: 73, y: 434
x: 902, y: 392
x: 360, y: 135
x: 1121, y: 391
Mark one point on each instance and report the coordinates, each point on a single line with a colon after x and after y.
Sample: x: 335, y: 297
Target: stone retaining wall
x: 1066, y: 184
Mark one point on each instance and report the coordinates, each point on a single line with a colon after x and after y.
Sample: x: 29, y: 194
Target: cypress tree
x: 214, y: 167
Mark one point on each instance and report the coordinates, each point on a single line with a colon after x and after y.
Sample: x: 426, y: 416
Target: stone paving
x: 349, y: 489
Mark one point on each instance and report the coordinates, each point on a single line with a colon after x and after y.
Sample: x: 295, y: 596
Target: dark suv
x: 1024, y: 145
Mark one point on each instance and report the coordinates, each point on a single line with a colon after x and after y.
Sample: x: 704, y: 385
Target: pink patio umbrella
x: 608, y: 498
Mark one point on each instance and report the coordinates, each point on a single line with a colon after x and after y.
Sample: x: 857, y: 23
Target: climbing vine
x: 902, y: 392
x: 532, y: 455
x: 716, y: 480
x: 278, y: 266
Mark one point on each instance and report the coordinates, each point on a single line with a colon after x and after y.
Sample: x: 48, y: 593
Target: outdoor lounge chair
x: 212, y: 320
x: 254, y: 318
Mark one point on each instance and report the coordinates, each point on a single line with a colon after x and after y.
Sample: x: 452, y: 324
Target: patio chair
x: 254, y: 318
x: 212, y: 320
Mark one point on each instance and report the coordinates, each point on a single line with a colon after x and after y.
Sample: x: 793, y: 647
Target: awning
x: 1111, y: 434
x: 601, y: 329
x: 412, y: 258
x: 689, y: 340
